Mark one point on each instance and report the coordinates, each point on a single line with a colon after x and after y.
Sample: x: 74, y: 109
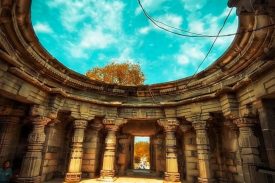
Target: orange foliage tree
x: 141, y: 149
x: 118, y: 73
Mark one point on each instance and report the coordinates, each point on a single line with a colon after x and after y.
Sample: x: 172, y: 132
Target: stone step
x: 142, y: 173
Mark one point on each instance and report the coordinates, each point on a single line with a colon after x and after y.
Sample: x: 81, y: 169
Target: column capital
x: 200, y: 125
x: 245, y: 121
x: 113, y: 124
x: 230, y: 124
x: 80, y: 123
x: 169, y: 124
x: 40, y: 120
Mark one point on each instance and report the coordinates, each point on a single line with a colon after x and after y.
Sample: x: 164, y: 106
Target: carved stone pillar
x: 172, y: 172
x: 108, y: 170
x: 75, y: 163
x: 9, y: 129
x: 91, y: 151
x: 249, y: 144
x: 239, y: 167
x: 203, y: 149
x: 30, y: 169
x: 189, y: 151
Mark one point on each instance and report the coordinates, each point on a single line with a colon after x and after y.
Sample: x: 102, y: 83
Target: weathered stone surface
x: 238, y: 84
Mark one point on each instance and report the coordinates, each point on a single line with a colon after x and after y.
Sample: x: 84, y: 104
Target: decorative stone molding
x: 113, y: 124
x: 75, y: 162
x: 30, y: 169
x: 169, y: 124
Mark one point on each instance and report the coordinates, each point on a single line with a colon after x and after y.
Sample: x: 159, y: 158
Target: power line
x: 192, y: 34
x: 211, y: 47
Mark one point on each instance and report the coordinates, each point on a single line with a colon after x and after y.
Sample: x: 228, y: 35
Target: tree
x: 141, y: 149
x: 116, y: 73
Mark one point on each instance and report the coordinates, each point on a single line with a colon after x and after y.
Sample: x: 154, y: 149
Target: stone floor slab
x: 119, y: 180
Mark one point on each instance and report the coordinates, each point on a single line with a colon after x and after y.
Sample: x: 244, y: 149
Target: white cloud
x: 191, y: 5
x: 190, y: 53
x: 149, y: 5
x: 92, y: 11
x: 98, y: 24
x: 169, y: 19
x: 90, y: 40
x: 95, y: 39
x: 42, y: 28
x: 145, y: 30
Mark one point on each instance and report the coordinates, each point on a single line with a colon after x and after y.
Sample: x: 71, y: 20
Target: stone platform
x: 119, y: 180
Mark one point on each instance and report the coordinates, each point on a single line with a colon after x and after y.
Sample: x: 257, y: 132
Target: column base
x: 72, y: 177
x: 204, y: 180
x: 170, y: 177
x: 107, y: 179
x: 29, y: 179
x: 91, y: 175
x: 107, y: 176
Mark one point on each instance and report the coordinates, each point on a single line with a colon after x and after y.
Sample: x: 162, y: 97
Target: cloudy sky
x: 86, y: 33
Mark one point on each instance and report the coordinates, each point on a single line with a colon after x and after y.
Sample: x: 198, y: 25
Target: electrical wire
x: 210, y: 49
x: 193, y: 34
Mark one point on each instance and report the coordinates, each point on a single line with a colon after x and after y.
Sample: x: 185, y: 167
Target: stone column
x: 75, y: 162
x: 172, y: 172
x: 9, y: 129
x: 124, y: 154
x: 108, y: 170
x: 157, y: 142
x: 92, y: 149
x: 239, y: 177
x: 249, y: 144
x: 189, y: 152
x: 203, y: 149
x: 32, y: 161
x: 266, y: 116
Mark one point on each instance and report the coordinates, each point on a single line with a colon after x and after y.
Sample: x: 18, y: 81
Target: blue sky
x: 142, y: 139
x: 86, y: 33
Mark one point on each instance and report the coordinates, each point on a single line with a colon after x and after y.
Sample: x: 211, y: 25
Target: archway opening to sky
x: 84, y: 34
x: 141, y: 153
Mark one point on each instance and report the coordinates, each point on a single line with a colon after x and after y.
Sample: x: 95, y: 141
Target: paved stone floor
x: 119, y: 180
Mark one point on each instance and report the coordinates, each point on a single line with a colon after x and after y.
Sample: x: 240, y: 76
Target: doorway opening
x: 141, y: 153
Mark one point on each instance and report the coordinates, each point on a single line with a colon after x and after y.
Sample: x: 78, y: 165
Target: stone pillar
x: 32, y: 161
x: 108, y: 168
x: 190, y: 151
x: 90, y: 158
x: 203, y: 149
x: 172, y: 172
x: 249, y: 144
x: 9, y: 129
x: 75, y: 162
x: 267, y: 114
x: 239, y: 177
x: 157, y: 142
x: 124, y: 154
